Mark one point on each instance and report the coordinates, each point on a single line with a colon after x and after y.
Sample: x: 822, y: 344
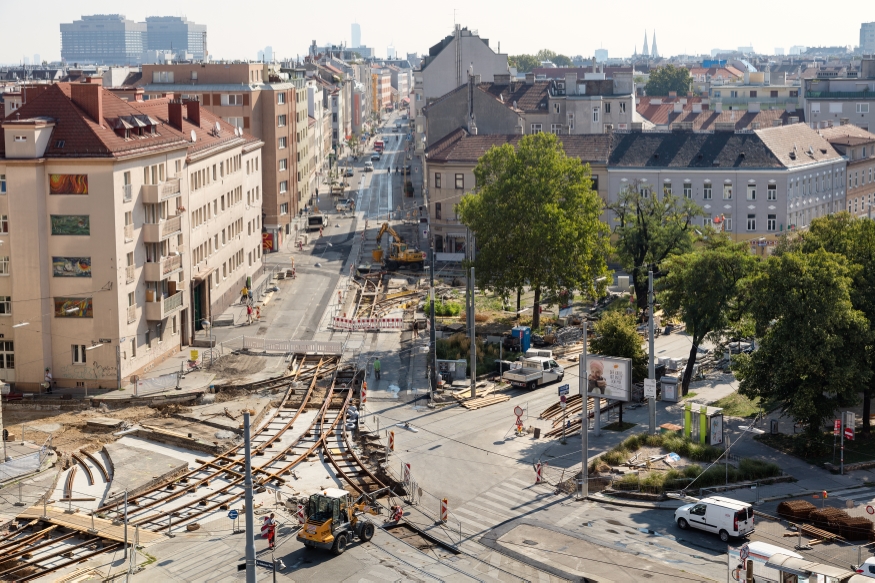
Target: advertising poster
x: 68, y: 184
x: 609, y: 377
x: 716, y: 430
x: 71, y: 266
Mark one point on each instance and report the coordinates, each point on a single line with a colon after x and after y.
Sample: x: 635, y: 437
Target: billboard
x: 716, y: 430
x: 608, y: 377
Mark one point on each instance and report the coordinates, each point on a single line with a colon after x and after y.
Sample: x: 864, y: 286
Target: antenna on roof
x: 193, y: 136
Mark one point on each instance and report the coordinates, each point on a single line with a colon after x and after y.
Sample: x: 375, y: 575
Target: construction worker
x: 244, y: 294
x: 377, y: 368
x: 397, y: 512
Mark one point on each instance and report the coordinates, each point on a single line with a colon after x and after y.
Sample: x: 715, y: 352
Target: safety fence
x: 28, y: 463
x: 291, y: 346
x: 366, y: 323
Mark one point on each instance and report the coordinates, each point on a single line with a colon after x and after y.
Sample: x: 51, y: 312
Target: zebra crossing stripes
x: 856, y: 494
x: 506, y: 501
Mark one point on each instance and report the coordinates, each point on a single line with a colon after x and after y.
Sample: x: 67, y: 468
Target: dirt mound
x: 237, y: 365
x: 226, y: 395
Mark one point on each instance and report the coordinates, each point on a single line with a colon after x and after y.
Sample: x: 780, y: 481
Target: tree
x: 536, y: 220
x: 648, y: 229
x: 352, y: 142
x: 523, y: 63
x: 616, y: 336
x: 701, y: 288
x: 853, y: 239
x: 562, y: 61
x: 669, y: 78
x: 812, y: 342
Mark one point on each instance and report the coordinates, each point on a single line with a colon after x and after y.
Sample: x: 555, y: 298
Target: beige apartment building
x: 123, y: 225
x: 265, y: 102
x: 858, y: 147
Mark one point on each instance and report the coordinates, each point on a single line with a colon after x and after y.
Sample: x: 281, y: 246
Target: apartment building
x: 317, y: 111
x: 123, y: 225
x: 757, y: 183
x: 701, y: 113
x: 265, y: 102
x: 834, y: 101
x: 381, y: 90
x: 858, y: 147
x: 450, y: 175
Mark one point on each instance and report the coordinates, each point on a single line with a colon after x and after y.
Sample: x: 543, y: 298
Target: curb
x: 631, y: 503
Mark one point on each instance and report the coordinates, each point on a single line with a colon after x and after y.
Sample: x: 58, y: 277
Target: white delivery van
x: 723, y: 516
x: 759, y: 553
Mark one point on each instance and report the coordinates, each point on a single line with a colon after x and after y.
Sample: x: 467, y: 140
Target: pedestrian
x: 258, y: 314
x: 244, y: 293
x: 250, y: 295
x: 377, y: 368
x: 248, y: 315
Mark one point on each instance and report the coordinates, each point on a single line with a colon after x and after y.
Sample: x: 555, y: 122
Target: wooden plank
x: 82, y: 522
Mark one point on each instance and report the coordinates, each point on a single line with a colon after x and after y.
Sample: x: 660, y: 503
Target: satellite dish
x: 193, y: 136
x: 218, y: 127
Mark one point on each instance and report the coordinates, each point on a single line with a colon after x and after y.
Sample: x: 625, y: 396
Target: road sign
x: 744, y: 552
x: 649, y: 388
x: 233, y: 514
x: 265, y: 564
x: 563, y: 390
x: 518, y: 411
x: 562, y: 403
x: 849, y: 433
x: 837, y: 427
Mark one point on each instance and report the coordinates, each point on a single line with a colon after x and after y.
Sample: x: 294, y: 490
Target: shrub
x: 442, y: 308
x: 615, y: 457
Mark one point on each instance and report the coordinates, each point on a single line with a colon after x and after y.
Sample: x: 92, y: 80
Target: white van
x: 759, y: 553
x: 369, y: 166
x: 723, y: 516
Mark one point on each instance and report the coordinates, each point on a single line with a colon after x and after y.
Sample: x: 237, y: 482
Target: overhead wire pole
x: 473, y: 339
x: 584, y: 420
x: 651, y: 366
x: 433, y: 333
x: 250, y: 512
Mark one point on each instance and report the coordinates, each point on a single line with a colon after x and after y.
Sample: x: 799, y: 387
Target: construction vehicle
x: 334, y: 519
x: 400, y: 255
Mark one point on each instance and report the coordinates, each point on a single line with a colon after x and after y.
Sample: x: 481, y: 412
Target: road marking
x: 573, y: 515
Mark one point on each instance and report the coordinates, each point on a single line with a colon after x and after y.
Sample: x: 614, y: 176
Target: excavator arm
x: 391, y: 231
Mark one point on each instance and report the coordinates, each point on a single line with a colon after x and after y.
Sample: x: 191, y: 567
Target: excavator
x: 334, y: 519
x: 400, y: 255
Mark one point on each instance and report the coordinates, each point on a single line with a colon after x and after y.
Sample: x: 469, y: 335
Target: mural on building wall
x: 74, y: 308
x: 267, y: 242
x: 71, y: 224
x: 71, y: 266
x: 68, y: 184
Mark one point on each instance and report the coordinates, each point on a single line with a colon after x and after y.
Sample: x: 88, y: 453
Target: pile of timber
x: 480, y: 402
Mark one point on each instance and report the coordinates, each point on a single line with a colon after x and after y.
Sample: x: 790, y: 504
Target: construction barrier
x: 353, y: 324
x: 391, y: 441
x: 405, y: 475
x: 538, y: 477
x: 364, y: 394
x: 291, y: 346
x: 300, y: 514
x: 444, y: 510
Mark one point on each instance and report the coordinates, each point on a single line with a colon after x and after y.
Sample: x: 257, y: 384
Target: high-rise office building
x: 356, y: 36
x: 390, y: 52
x: 867, y: 37
x: 36, y: 59
x: 172, y: 33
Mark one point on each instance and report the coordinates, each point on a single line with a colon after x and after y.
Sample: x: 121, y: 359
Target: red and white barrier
x: 364, y: 393
x: 405, y: 475
x: 538, y: 477
x: 352, y: 324
x: 444, y: 510
x: 391, y: 441
x: 300, y: 514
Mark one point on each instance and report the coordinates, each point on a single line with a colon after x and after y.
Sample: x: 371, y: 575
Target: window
x: 753, y: 93
x: 728, y: 222
x: 437, y: 211
x: 666, y: 189
x: 536, y: 128
x: 706, y: 220
x: 644, y: 190
x: 772, y: 222
x: 772, y: 192
x: 815, y: 108
x: 556, y: 128
x: 570, y: 122
x: 78, y: 351
x: 281, y: 120
x: 162, y: 77
x: 4, y: 224
x: 237, y: 122
x: 862, y: 108
x: 751, y: 222
x: 2, y: 184
x: 134, y: 347
x: 148, y: 340
x: 607, y: 108
x: 706, y: 192
x: 794, y: 93
x: 4, y: 265
x: 280, y: 98
x: 282, y: 143
x: 437, y: 179
x: 6, y: 305
x: 751, y: 192
x: 773, y: 93
x: 688, y: 191
x: 595, y: 115
x: 7, y: 355
x: 232, y: 99
x: 284, y: 164
x: 284, y: 186
x: 622, y: 107
x: 284, y: 208
x: 556, y: 108
x: 595, y: 182
x: 727, y: 192
x: 460, y: 182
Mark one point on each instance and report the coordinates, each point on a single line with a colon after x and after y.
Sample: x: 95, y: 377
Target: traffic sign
x: 849, y: 433
x: 649, y: 388
x: 837, y: 427
x: 518, y: 411
x: 744, y: 552
x: 563, y: 390
x: 562, y: 403
x: 265, y: 564
x: 233, y: 514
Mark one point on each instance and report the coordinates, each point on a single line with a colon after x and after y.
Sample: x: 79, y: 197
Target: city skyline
x: 433, y: 23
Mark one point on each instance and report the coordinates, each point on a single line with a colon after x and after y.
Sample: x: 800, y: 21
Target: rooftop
x: 662, y: 114
x: 459, y: 146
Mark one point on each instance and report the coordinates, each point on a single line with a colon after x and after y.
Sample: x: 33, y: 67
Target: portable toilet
x: 524, y: 333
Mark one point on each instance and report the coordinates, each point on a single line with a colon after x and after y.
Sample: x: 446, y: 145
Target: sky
x: 238, y: 30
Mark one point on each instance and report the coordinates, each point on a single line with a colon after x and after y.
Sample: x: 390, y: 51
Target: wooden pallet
x: 480, y: 402
x: 819, y: 535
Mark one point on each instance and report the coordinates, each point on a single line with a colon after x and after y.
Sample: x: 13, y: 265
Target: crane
x: 400, y: 255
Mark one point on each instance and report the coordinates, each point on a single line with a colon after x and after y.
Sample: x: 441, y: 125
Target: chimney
x: 94, y: 80
x: 697, y: 108
x: 88, y: 97
x: 570, y: 83
x: 476, y: 79
x: 753, y: 107
x: 678, y: 107
x: 530, y: 78
x: 672, y: 93
x: 193, y: 112
x: 718, y: 106
x: 501, y: 78
x: 174, y: 114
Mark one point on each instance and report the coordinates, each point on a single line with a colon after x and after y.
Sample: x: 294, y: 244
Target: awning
x: 405, y: 99
x: 202, y: 275
x: 804, y: 568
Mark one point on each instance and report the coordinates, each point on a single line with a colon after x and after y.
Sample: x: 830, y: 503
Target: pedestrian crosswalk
x: 859, y: 495
x: 510, y: 500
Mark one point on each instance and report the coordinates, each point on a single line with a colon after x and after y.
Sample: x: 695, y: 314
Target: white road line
x: 486, y: 514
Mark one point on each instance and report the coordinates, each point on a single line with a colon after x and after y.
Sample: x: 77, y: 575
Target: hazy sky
x: 239, y: 29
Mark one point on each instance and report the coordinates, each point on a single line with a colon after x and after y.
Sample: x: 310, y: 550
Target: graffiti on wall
x: 89, y: 371
x: 68, y: 184
x: 74, y: 308
x: 71, y: 224
x: 71, y: 266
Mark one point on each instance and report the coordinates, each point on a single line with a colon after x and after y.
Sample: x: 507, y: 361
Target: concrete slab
x: 138, y: 468
x: 105, y: 423
x: 214, y: 415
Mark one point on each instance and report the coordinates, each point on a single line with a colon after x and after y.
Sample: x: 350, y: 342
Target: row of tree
x: 525, y: 63
x: 810, y: 306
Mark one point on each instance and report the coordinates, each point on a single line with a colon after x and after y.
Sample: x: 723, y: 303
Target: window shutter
x: 245, y: 99
x: 206, y: 98
x: 217, y: 98
x: 245, y: 123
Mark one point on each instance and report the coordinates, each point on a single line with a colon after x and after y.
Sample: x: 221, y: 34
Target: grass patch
x: 821, y: 448
x: 670, y: 443
x: 736, y: 405
x: 689, y: 395
x: 618, y: 427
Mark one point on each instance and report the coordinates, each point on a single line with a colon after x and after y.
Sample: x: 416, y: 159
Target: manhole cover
x: 530, y: 542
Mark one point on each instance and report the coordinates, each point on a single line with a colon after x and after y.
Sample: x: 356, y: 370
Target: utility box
x: 669, y: 389
x: 452, y: 370
x: 524, y: 333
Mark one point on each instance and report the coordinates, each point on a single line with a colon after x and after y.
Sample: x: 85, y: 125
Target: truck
x: 379, y: 145
x: 535, y: 371
x: 316, y: 221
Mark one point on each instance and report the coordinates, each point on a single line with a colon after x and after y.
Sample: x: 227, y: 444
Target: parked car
x: 369, y: 166
x: 349, y: 172
x: 723, y: 516
x: 375, y: 156
x: 344, y: 204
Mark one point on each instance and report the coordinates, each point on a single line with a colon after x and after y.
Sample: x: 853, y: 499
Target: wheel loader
x: 334, y: 520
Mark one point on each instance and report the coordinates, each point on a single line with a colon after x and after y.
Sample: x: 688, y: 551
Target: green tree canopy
x: 701, y: 288
x: 523, y: 63
x: 668, y: 78
x: 812, y: 342
x: 616, y: 335
x: 536, y: 220
x: 649, y: 228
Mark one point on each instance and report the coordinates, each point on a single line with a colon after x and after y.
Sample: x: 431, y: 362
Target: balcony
x: 127, y: 192
x: 166, y: 228
x: 161, y: 308
x: 155, y: 193
x: 162, y: 269
x: 865, y: 95
x: 129, y: 233
x: 132, y: 314
x: 129, y: 273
